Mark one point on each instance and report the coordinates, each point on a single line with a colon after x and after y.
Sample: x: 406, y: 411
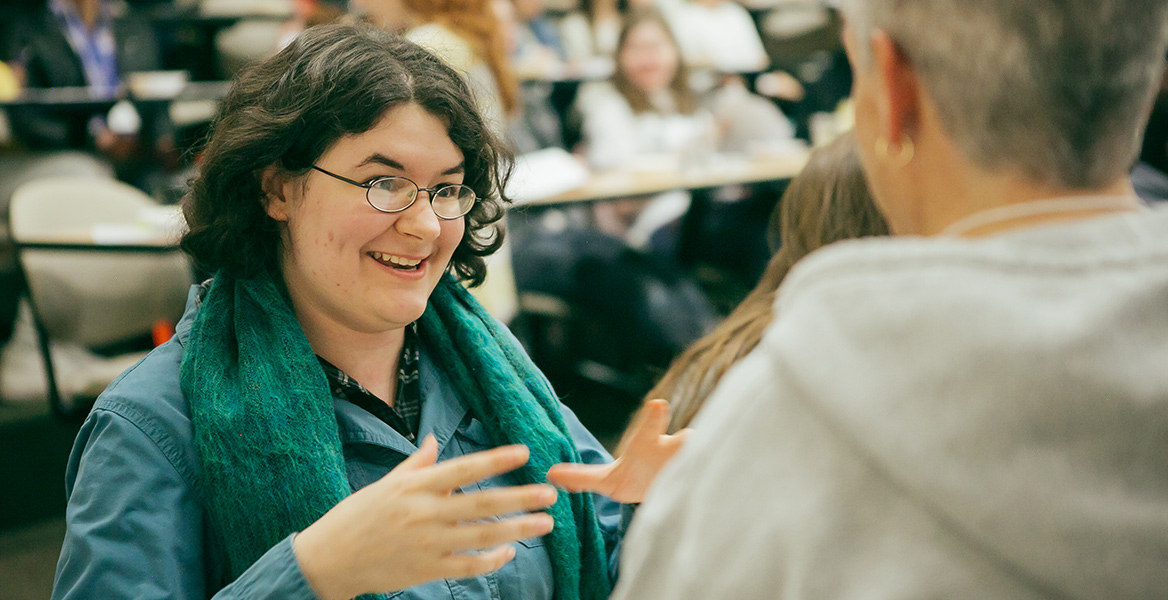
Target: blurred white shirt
x: 723, y: 38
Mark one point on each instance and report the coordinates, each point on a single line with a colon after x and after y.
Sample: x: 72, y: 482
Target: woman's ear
x: 899, y: 90
x: 272, y: 183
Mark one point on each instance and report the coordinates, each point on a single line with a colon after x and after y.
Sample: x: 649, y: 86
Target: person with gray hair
x: 976, y: 407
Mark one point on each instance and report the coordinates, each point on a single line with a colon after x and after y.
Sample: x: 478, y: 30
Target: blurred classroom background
x: 653, y: 140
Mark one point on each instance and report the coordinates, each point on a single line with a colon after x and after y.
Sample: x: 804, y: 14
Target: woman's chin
x: 400, y: 316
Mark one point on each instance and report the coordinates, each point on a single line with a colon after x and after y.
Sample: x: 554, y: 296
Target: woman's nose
x: 419, y: 219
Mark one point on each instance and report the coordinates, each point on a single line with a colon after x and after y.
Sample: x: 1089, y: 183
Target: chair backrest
x: 95, y: 297
x: 15, y: 170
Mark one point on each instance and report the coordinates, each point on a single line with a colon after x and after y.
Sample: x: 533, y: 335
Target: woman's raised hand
x: 409, y: 527
x: 645, y: 452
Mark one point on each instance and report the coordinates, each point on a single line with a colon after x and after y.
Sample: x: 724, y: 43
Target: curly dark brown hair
x: 332, y: 81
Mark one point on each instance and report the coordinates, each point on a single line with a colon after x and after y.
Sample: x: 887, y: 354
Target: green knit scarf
x: 269, y: 451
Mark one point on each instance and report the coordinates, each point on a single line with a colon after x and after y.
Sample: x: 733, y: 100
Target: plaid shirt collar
x: 405, y: 415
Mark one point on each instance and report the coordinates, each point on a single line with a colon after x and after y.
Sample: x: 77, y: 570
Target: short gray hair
x: 1057, y: 90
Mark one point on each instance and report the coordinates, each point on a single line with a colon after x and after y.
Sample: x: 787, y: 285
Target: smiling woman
x: 356, y: 276
x: 336, y: 415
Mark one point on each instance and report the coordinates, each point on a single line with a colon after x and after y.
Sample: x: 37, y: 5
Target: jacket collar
x: 442, y: 413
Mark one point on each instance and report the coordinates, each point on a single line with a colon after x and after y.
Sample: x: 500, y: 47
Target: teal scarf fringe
x: 269, y: 451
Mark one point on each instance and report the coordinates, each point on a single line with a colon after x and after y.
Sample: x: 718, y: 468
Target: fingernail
x: 543, y: 522
x: 548, y: 494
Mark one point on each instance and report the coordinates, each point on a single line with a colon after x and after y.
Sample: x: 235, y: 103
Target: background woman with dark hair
x: 336, y: 416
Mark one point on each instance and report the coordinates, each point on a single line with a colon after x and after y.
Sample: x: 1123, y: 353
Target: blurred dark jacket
x: 36, y: 41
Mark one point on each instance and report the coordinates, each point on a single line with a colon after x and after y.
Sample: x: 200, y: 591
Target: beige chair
x: 17, y: 169
x: 102, y: 283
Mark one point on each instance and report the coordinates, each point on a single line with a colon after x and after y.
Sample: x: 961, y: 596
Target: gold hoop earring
x: 902, y: 156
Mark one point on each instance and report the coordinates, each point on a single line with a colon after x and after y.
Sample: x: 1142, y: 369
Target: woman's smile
x: 401, y: 266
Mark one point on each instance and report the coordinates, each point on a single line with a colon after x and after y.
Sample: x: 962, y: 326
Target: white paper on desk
x: 121, y: 233
x: 167, y: 219
x: 543, y: 174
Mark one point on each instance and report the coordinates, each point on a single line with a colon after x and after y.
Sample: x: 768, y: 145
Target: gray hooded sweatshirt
x: 934, y: 418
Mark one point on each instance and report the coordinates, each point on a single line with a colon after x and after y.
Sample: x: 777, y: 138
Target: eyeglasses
x: 394, y: 194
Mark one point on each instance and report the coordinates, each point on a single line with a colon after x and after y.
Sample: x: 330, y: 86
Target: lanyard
x: 96, y: 49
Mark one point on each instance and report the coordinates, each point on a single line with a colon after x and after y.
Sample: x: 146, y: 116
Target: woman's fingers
x: 499, y: 501
x: 449, y: 475
x: 461, y: 566
x: 581, y: 478
x: 477, y: 536
x: 470, y: 468
x: 654, y: 421
x: 677, y: 440
x: 648, y: 424
x: 426, y: 456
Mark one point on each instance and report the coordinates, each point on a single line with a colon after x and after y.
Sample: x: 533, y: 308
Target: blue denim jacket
x: 135, y: 517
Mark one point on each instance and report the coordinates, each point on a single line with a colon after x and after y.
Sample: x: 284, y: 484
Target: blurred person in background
x: 77, y: 44
x: 594, y: 29
x: 537, y: 27
x: 975, y: 407
x: 305, y: 14
x: 94, y: 44
x: 646, y: 115
x: 719, y: 34
x: 468, y: 35
x: 536, y: 124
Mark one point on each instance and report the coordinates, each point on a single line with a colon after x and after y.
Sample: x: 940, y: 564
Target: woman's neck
x: 1017, y: 205
x: 662, y: 100
x: 371, y: 359
x: 87, y: 11
x: 940, y: 187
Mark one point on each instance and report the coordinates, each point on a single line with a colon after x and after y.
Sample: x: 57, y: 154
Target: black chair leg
x: 56, y: 403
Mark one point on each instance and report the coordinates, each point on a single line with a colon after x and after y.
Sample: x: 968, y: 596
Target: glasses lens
x: 392, y: 194
x: 453, y: 201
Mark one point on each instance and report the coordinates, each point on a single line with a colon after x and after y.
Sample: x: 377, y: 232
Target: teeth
x: 396, y: 260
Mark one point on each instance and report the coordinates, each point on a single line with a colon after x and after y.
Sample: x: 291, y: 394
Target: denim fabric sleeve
x: 135, y: 523
x: 610, y: 513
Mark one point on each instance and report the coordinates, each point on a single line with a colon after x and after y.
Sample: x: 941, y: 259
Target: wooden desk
x: 88, y: 241
x: 608, y: 185
x: 79, y: 98
x: 169, y: 14
x: 83, y: 99
x: 595, y: 69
